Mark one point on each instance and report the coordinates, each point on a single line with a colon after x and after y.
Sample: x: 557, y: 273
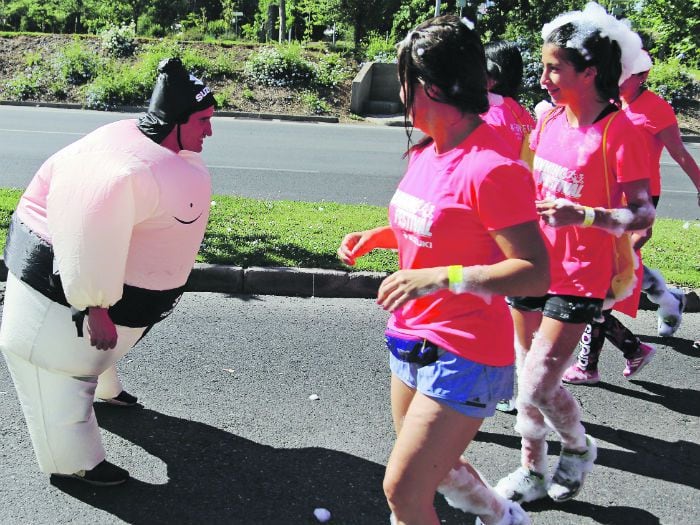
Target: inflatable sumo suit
x: 113, y: 220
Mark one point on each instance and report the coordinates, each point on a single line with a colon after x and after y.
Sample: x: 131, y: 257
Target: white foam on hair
x: 595, y: 18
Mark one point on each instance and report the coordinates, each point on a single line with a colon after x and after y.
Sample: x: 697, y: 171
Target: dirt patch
x: 21, y: 55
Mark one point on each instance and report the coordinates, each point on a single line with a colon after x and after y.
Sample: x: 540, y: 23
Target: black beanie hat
x: 176, y: 95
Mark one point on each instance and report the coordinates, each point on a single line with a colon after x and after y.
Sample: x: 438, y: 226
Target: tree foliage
x: 672, y: 27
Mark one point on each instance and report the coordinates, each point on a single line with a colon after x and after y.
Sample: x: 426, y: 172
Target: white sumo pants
x: 56, y: 373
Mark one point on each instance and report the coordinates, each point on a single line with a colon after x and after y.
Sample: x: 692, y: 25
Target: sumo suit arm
x: 91, y: 215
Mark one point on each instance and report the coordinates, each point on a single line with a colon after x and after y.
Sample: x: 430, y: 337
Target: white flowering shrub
x: 279, y: 66
x: 119, y: 41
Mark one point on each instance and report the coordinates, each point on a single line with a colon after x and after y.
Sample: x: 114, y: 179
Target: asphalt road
x: 228, y: 435
x: 353, y: 163
x: 348, y: 163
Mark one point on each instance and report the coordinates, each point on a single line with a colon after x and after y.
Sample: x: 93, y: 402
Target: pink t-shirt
x: 510, y: 119
x: 652, y: 114
x: 569, y: 164
x: 442, y: 214
x: 119, y: 209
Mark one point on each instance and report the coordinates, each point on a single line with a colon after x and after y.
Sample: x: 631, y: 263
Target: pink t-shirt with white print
x: 569, y: 165
x: 652, y: 114
x: 442, y: 214
x: 511, y: 120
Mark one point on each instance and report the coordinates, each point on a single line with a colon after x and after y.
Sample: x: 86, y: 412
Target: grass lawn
x: 248, y: 232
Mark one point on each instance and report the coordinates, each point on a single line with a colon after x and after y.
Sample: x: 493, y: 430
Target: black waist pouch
x: 412, y: 350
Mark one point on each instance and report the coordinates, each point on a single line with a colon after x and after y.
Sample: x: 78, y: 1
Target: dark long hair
x: 598, y: 51
x: 443, y: 52
x: 504, y: 65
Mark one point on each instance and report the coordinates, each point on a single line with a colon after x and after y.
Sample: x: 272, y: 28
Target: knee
x: 534, y: 392
x: 402, y: 498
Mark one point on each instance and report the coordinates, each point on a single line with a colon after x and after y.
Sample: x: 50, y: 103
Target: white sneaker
x: 514, y: 515
x: 571, y: 471
x: 522, y: 485
x: 670, y: 321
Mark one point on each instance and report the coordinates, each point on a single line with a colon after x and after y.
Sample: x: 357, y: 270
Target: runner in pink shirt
x: 577, y: 145
x: 504, y: 66
x: 504, y: 70
x: 465, y: 225
x: 655, y: 117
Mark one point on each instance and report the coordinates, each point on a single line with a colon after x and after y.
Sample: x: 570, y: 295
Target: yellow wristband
x: 455, y: 278
x: 588, y: 216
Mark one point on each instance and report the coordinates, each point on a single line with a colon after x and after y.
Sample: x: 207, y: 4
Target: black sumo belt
x: 31, y: 259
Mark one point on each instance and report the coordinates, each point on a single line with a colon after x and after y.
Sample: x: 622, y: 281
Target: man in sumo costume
x: 99, y: 250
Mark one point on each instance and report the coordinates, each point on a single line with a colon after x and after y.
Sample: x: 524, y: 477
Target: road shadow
x: 675, y: 462
x: 613, y: 515
x: 679, y: 400
x: 217, y: 477
x: 682, y: 346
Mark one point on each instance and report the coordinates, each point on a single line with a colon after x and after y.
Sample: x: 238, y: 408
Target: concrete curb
x: 308, y: 282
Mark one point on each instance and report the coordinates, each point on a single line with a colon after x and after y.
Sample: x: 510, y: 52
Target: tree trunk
x: 283, y: 21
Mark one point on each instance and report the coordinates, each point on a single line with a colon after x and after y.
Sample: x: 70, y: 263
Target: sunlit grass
x: 249, y: 232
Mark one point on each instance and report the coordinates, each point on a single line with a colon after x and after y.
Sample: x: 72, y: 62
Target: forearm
x: 687, y: 163
x: 509, y: 277
x: 381, y: 237
x: 617, y: 220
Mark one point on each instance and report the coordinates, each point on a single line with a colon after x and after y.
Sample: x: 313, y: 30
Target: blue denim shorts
x: 469, y: 388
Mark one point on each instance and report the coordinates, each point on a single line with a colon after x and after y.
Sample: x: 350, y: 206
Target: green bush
x: 118, y: 84
x: 674, y: 83
x: 217, y: 28
x: 379, y: 49
x: 331, y: 70
x: 23, y: 86
x: 75, y: 64
x: 119, y: 41
x: 317, y: 104
x: 33, y: 58
x: 281, y: 65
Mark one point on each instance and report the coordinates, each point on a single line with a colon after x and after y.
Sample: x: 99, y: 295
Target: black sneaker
x: 124, y: 399
x: 103, y: 475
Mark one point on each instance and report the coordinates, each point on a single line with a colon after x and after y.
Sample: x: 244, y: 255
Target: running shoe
x: 641, y: 358
x: 124, y: 399
x: 575, y: 376
x: 571, y: 471
x: 523, y: 485
x: 514, y: 515
x: 506, y: 405
x: 670, y: 322
x: 104, y: 474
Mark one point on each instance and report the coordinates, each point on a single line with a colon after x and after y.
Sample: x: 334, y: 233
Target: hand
x: 405, y: 285
x: 560, y: 212
x: 352, y: 246
x: 103, y: 333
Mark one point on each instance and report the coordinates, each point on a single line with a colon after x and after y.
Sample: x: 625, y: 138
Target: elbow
x: 646, y: 216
